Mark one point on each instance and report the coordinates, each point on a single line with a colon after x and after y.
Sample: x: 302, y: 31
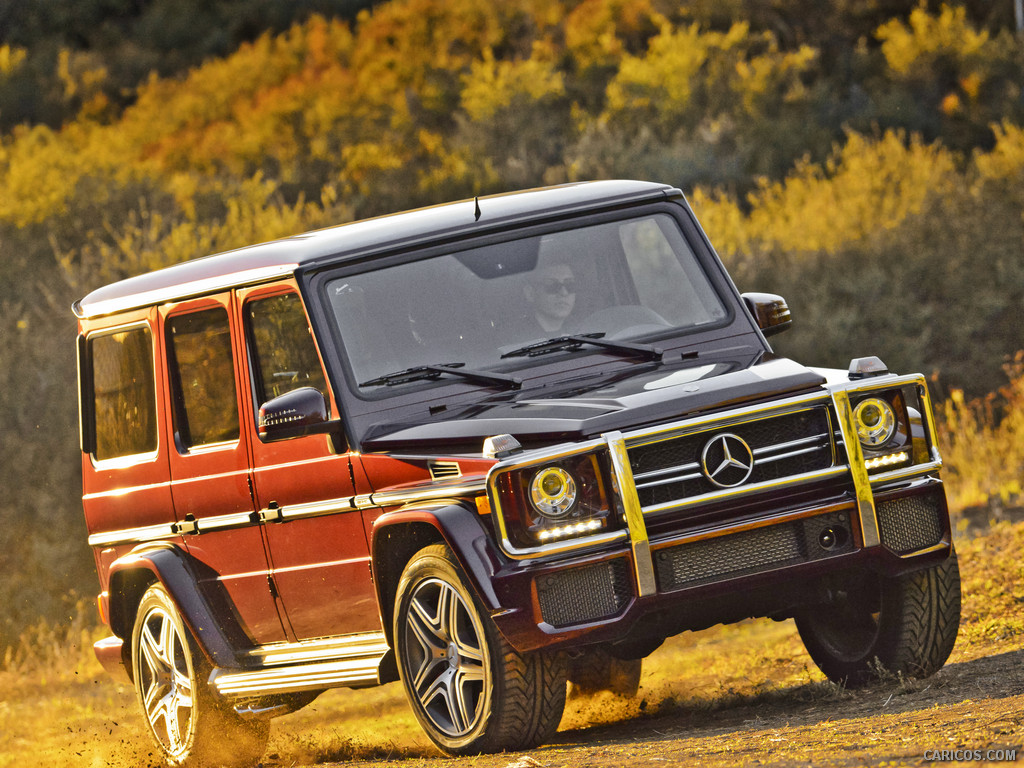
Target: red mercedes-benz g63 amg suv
x: 485, y: 448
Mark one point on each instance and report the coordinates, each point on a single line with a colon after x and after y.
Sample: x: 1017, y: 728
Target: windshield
x: 478, y: 309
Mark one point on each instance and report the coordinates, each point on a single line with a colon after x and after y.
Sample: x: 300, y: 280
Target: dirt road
x: 741, y: 695
x: 714, y: 713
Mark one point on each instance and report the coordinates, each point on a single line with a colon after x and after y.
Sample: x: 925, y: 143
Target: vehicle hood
x: 623, y: 402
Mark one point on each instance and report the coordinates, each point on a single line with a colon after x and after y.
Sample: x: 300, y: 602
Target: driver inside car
x: 551, y: 293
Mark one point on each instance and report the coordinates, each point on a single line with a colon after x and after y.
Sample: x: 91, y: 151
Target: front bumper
x: 766, y: 548
x: 773, y: 568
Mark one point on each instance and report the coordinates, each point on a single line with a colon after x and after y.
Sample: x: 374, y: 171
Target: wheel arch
x: 400, y: 534
x: 132, y: 574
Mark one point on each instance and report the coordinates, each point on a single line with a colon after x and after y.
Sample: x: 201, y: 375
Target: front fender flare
x: 398, y: 535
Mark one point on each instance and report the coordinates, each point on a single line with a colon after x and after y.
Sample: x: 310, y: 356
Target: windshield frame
x: 390, y: 403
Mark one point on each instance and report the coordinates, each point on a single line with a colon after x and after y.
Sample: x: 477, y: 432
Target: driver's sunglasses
x: 553, y: 286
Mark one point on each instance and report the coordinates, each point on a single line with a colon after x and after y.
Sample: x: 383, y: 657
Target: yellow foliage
x: 982, y: 444
x: 10, y: 59
x: 950, y: 104
x: 772, y: 72
x: 78, y: 74
x: 491, y: 86
x: 55, y: 653
x: 448, y: 166
x: 663, y: 78
x: 41, y: 167
x: 150, y: 239
x: 1006, y: 159
x: 735, y: 74
x: 867, y: 185
x: 992, y: 574
x: 596, y: 29
x: 926, y: 36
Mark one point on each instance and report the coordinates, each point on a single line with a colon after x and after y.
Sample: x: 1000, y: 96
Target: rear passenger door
x: 305, y: 493
x: 209, y: 463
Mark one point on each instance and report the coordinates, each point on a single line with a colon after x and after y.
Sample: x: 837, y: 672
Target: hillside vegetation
x: 864, y: 159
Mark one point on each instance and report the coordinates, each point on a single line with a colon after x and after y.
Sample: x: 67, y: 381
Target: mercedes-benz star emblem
x: 727, y: 460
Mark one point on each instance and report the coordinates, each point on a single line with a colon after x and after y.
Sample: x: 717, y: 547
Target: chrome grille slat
x: 789, y: 455
x: 789, y: 447
x: 760, y: 455
x: 813, y: 441
x: 793, y: 481
x: 691, y: 467
x: 668, y: 480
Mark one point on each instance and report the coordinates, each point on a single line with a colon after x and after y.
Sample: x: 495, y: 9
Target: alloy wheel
x: 447, y: 660
x: 165, y: 680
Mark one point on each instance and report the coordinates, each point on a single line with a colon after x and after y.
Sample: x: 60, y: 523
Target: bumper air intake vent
x: 581, y: 595
x: 913, y: 522
x: 748, y: 552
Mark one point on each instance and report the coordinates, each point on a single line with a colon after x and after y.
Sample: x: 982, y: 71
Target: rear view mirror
x: 771, y: 312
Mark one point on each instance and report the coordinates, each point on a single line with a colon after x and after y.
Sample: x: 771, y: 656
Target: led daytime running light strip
x: 572, y: 529
x: 887, y: 461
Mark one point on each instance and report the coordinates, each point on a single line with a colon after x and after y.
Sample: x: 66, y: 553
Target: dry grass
x: 59, y: 709
x: 982, y: 443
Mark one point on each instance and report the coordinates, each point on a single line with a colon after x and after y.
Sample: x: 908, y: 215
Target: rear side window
x: 203, y: 378
x: 284, y: 356
x: 124, y: 394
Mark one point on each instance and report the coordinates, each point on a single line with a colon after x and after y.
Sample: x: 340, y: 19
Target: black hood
x: 627, y: 402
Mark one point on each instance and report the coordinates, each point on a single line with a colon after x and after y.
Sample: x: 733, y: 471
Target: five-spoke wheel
x: 164, y: 672
x: 189, y: 726
x: 469, y: 689
x: 447, y: 656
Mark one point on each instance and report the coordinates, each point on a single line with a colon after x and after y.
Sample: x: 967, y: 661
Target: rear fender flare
x: 132, y: 574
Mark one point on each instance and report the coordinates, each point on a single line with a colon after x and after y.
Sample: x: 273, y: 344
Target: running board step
x: 297, y: 678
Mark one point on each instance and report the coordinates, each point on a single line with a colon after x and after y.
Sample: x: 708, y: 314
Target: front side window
x: 124, y: 394
x: 284, y: 356
x: 477, y: 308
x: 203, y: 378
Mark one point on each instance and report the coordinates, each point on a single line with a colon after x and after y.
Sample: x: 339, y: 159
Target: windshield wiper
x: 429, y: 372
x: 573, y: 342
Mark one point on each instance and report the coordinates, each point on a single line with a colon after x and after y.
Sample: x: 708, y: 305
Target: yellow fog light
x: 876, y: 421
x: 553, y: 492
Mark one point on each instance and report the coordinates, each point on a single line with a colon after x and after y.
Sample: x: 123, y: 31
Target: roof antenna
x: 476, y: 208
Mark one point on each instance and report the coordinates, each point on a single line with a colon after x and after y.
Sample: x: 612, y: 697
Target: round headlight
x: 876, y: 421
x: 553, y: 492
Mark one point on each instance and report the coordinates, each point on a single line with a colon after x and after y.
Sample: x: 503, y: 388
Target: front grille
x: 748, y: 552
x: 580, y: 595
x: 783, y: 446
x: 912, y: 522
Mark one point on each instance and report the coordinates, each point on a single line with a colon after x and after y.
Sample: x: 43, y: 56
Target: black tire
x: 905, y: 626
x: 596, y: 671
x: 469, y: 689
x: 188, y: 725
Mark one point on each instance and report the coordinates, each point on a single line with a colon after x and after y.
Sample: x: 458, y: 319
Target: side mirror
x: 771, y: 312
x: 294, y: 414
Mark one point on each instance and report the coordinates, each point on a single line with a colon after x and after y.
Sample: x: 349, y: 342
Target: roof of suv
x: 268, y: 261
